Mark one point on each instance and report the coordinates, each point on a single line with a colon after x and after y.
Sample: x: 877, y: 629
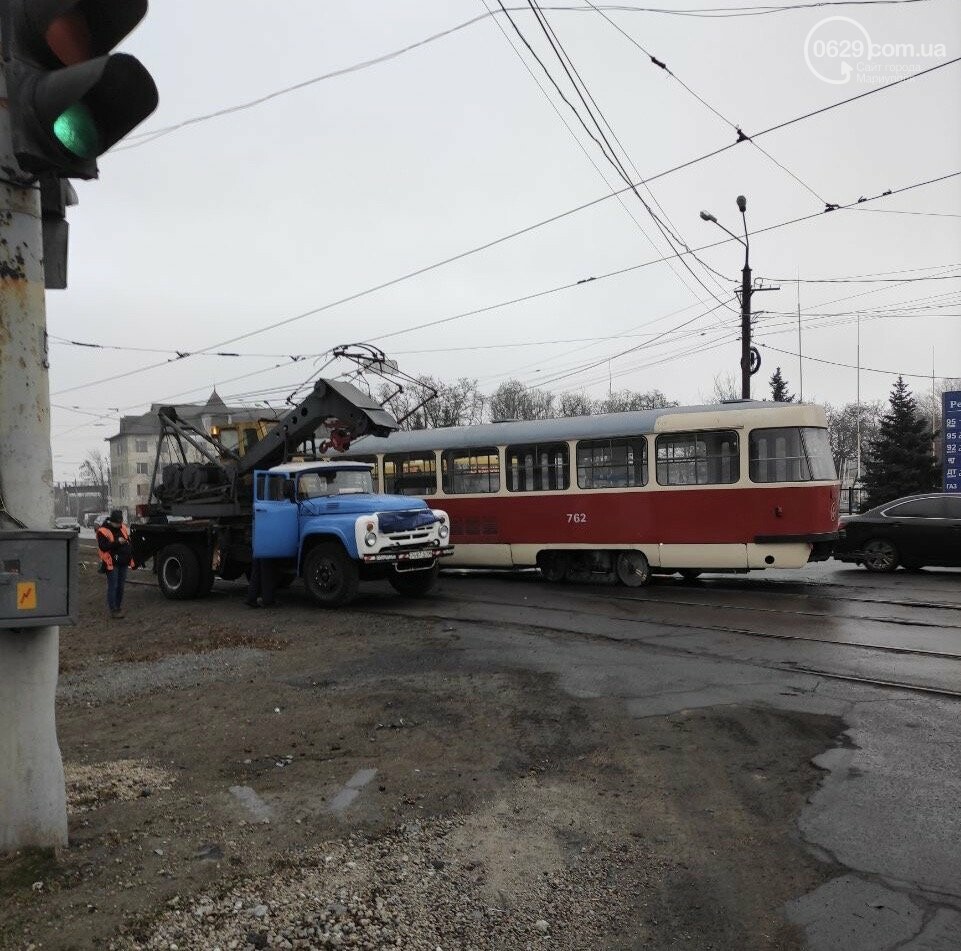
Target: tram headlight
x: 370, y: 539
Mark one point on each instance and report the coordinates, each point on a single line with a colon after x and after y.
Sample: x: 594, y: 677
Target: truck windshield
x: 313, y: 485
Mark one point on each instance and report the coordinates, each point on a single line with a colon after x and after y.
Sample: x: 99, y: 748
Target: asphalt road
x: 883, y: 652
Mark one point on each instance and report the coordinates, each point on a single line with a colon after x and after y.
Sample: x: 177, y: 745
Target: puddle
x: 351, y: 790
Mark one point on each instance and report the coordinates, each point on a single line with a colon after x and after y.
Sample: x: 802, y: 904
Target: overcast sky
x: 230, y: 225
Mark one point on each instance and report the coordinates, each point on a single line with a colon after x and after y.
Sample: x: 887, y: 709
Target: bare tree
x: 930, y: 404
x: 843, y: 433
x: 624, y: 401
x: 726, y: 387
x: 575, y: 404
x: 456, y: 404
x: 513, y: 400
x: 95, y: 471
x: 417, y: 407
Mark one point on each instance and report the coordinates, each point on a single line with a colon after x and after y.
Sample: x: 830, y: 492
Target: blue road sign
x: 952, y: 441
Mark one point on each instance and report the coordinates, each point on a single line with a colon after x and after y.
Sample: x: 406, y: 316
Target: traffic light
x: 70, y: 99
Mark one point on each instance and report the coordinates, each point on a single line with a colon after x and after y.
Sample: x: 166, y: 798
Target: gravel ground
x: 293, y: 779
x: 419, y: 887
x: 122, y: 681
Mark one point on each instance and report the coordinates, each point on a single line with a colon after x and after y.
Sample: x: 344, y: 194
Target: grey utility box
x: 38, y: 578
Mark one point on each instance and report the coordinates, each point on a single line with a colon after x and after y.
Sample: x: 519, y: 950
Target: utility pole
x: 746, y: 292
x: 800, y: 352
x: 65, y: 100
x: 33, y: 808
x: 749, y: 366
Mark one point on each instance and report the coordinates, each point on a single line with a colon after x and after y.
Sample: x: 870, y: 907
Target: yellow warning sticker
x: 27, y: 596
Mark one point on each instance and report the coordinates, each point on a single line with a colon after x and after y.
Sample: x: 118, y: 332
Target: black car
x: 916, y: 531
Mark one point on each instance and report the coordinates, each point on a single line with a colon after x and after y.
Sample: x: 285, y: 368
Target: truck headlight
x: 370, y: 539
x: 443, y: 531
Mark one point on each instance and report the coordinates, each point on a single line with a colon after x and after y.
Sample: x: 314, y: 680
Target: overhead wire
x: 599, y: 121
x: 580, y: 144
x: 143, y: 138
x: 661, y: 64
x: 529, y: 228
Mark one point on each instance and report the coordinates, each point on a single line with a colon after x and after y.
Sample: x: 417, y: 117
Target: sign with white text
x: 952, y: 441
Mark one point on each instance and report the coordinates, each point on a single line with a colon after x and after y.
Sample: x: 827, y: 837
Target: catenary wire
x: 461, y: 255
x: 150, y: 135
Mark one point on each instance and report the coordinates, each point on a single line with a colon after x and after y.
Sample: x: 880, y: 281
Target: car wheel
x: 414, y: 583
x: 330, y: 576
x: 878, y: 554
x: 632, y: 569
x: 178, y: 572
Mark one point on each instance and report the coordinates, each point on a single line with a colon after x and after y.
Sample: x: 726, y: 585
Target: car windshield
x: 313, y: 485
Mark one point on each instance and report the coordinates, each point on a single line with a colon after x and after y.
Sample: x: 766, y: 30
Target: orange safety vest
x: 105, y: 556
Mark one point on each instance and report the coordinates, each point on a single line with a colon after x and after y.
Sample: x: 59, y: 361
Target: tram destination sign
x: 952, y: 441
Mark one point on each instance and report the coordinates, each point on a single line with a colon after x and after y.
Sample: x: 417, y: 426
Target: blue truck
x: 213, y: 508
x: 325, y: 522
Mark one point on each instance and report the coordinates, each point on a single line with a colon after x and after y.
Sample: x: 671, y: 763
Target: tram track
x: 658, y: 646
x: 747, y: 632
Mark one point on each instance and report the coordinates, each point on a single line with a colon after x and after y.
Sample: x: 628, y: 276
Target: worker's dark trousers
x: 116, y: 578
x: 263, y: 582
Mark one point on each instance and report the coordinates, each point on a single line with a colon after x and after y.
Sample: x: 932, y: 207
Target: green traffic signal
x: 76, y: 129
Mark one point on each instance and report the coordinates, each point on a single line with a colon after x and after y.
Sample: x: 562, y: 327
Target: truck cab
x: 322, y: 521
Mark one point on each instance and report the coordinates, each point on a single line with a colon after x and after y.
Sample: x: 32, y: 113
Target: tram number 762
x: 577, y: 517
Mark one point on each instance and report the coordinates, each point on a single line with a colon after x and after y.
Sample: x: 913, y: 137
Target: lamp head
x: 707, y: 216
x: 741, y: 204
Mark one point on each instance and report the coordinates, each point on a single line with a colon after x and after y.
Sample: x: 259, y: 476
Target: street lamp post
x: 747, y: 292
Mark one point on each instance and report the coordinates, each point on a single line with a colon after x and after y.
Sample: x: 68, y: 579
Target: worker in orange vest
x: 116, y: 555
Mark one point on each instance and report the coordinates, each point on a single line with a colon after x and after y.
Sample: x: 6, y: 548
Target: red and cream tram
x: 733, y: 487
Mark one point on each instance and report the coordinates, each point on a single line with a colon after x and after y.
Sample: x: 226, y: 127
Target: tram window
x: 466, y: 471
x: 612, y: 463
x: 374, y: 473
x: 410, y: 473
x: 537, y: 467
x: 790, y: 454
x: 707, y: 458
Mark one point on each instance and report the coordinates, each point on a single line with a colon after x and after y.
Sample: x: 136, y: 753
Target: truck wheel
x: 331, y: 577
x: 178, y: 572
x: 414, y: 583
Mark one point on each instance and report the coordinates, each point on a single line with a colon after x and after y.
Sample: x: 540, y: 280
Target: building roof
x: 214, y: 410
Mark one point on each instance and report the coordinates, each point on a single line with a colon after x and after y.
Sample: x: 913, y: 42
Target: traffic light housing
x: 70, y: 99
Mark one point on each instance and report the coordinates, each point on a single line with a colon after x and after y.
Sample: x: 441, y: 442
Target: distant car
x: 914, y: 532
x: 67, y: 521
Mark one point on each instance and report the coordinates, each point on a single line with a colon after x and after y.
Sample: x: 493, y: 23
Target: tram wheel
x: 553, y: 565
x: 690, y: 574
x: 632, y: 569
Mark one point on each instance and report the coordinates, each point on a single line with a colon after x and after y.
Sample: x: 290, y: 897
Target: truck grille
x: 418, y: 520
x: 410, y: 536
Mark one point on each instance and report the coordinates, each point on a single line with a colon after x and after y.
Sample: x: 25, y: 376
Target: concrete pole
x: 33, y: 810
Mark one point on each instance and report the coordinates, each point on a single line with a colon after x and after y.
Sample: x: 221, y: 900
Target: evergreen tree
x: 779, y: 391
x: 900, y: 460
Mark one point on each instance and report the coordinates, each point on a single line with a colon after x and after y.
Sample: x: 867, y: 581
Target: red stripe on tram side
x: 704, y: 516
